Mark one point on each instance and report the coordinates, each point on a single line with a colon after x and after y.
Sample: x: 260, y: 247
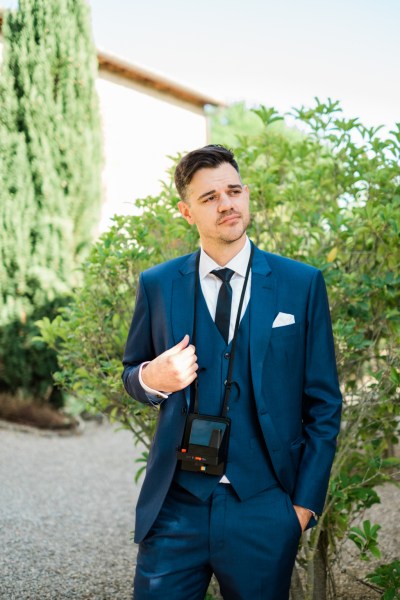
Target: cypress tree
x: 50, y: 168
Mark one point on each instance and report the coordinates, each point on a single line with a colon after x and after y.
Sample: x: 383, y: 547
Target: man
x: 281, y: 417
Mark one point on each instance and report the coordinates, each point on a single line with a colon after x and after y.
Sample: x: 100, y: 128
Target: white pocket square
x: 283, y: 319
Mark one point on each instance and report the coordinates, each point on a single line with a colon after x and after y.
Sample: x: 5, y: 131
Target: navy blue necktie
x: 224, y: 302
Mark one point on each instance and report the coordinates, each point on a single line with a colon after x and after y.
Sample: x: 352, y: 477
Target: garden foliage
x: 50, y: 162
x: 329, y: 196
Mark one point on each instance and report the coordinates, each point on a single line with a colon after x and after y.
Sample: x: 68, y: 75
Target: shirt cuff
x: 147, y: 389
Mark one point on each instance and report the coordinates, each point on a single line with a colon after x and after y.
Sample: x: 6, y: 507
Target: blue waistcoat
x: 249, y: 468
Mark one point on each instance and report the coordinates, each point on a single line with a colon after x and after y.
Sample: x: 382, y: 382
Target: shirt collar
x: 238, y: 263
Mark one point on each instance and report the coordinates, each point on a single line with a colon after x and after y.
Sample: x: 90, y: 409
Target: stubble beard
x: 231, y: 237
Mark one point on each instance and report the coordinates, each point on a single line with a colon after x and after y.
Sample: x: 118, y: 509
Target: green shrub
x: 93, y: 328
x: 387, y: 578
x: 50, y: 188
x: 329, y: 196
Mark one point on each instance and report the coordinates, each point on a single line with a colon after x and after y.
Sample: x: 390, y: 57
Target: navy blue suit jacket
x: 293, y: 373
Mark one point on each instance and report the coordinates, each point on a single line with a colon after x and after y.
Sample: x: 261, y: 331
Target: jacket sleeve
x: 322, y: 400
x: 139, y: 347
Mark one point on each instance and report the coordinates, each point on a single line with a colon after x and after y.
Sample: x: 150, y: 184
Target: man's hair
x: 209, y: 157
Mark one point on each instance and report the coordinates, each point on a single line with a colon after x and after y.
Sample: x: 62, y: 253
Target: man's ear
x: 184, y: 209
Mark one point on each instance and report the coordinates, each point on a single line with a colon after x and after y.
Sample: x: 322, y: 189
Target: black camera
x: 205, y: 444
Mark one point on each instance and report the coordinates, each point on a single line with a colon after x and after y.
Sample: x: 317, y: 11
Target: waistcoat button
x: 227, y: 355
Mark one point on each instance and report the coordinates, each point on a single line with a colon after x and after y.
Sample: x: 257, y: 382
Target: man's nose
x: 225, y: 203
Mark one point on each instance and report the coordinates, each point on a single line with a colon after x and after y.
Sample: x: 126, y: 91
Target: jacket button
x: 184, y: 410
x: 227, y: 355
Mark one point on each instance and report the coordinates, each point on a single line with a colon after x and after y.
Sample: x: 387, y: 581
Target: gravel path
x: 67, y: 514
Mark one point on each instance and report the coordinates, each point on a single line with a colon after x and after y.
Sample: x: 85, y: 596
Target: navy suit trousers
x: 250, y: 545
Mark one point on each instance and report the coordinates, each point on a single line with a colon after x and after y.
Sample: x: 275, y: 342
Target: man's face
x: 218, y: 204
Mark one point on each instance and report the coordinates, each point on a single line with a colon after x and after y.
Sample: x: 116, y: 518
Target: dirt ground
x: 79, y: 486
x: 352, y: 569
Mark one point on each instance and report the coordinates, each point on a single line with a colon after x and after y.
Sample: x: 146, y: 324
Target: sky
x: 280, y: 54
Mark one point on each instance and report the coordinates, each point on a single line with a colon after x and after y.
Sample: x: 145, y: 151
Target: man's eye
x: 209, y: 198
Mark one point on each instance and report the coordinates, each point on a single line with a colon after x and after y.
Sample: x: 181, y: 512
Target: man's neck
x: 223, y: 253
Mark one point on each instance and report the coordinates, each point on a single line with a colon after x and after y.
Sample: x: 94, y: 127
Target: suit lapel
x: 183, y: 300
x: 182, y: 306
x: 262, y: 310
x: 262, y: 314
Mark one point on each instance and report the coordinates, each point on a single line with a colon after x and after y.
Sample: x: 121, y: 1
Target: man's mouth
x: 228, y: 218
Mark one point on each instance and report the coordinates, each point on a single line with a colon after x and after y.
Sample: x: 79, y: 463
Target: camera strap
x: 228, y: 382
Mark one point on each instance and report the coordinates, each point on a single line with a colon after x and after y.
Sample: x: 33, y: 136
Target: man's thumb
x: 180, y: 346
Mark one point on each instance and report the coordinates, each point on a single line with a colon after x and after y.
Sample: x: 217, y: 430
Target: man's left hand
x: 303, y: 514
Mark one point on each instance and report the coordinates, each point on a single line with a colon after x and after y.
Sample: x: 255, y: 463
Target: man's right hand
x: 173, y: 370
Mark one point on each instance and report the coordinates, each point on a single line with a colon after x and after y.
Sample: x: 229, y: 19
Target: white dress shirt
x: 210, y: 285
